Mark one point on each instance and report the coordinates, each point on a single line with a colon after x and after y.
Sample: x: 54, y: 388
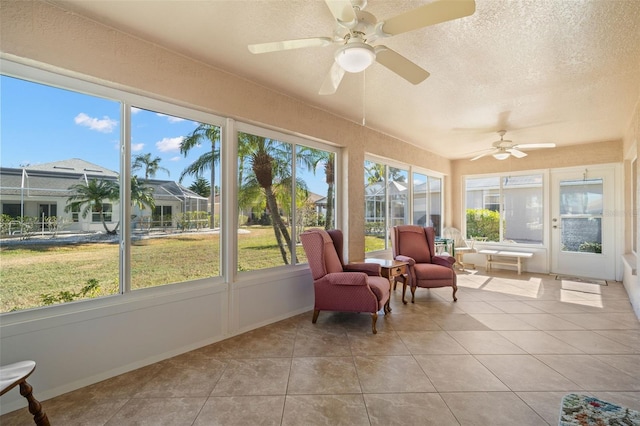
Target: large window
x: 283, y: 189
x: 105, y: 193
x: 63, y: 176
x: 392, y: 199
x: 175, y: 199
x: 505, y: 208
x: 101, y: 213
x: 60, y: 167
x: 427, y: 201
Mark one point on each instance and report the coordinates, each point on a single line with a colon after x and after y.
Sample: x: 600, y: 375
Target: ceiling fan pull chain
x: 364, y: 109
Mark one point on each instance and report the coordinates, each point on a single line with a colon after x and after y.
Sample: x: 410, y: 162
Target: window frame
x: 634, y: 205
x: 295, y: 141
x: 411, y: 169
x: 546, y: 198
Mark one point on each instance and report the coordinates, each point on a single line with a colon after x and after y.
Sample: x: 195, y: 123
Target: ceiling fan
x: 503, y: 149
x: 356, y: 29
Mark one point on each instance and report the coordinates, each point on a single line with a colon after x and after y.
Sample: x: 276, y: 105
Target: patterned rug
x: 583, y: 410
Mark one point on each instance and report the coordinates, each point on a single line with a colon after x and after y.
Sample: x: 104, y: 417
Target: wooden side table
x: 391, y: 270
x: 16, y: 374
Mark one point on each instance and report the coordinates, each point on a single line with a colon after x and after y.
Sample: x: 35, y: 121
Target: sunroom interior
x: 590, y: 109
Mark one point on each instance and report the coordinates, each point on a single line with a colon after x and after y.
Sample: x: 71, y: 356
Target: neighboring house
x: 426, y: 201
x: 42, y: 191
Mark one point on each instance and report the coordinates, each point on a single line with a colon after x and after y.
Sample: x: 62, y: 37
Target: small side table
x: 391, y: 270
x: 16, y: 374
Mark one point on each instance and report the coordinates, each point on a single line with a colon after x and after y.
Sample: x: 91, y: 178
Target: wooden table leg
x: 35, y: 408
x: 404, y: 285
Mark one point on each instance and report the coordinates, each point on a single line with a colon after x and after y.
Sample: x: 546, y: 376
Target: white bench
x: 508, y: 258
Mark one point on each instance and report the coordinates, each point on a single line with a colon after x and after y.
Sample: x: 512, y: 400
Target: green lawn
x: 31, y: 270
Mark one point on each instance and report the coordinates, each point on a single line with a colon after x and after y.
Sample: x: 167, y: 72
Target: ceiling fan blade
x: 535, y: 145
x: 516, y: 153
x: 484, y: 154
x: 343, y: 11
x: 400, y: 65
x: 332, y: 80
x: 429, y: 14
x: 289, y: 44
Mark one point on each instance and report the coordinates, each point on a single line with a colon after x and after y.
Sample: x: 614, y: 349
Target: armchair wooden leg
x: 404, y: 289
x: 455, y: 290
x: 374, y: 319
x: 413, y: 295
x: 316, y: 312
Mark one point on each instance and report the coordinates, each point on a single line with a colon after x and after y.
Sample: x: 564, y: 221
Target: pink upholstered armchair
x: 416, y: 246
x: 354, y: 287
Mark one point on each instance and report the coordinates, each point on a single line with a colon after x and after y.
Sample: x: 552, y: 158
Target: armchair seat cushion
x: 380, y: 287
x: 430, y: 271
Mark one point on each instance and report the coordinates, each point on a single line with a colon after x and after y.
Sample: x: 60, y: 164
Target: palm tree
x: 312, y: 158
x: 141, y: 196
x: 151, y: 166
x: 374, y: 172
x: 207, y: 161
x: 269, y: 162
x: 265, y: 170
x: 92, y: 195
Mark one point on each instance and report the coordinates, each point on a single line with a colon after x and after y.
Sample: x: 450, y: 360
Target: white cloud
x: 169, y: 144
x: 104, y: 125
x: 177, y: 158
x: 135, y: 147
x: 135, y: 110
x: 170, y: 118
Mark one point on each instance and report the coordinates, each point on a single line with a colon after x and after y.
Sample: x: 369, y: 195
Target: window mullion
x: 125, y: 198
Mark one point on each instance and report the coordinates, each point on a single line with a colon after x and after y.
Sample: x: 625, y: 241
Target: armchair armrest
x: 371, y: 269
x: 447, y: 261
x: 410, y: 260
x: 346, y: 278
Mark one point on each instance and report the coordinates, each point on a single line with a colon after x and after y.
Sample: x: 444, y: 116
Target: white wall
x: 630, y: 281
x: 81, y: 343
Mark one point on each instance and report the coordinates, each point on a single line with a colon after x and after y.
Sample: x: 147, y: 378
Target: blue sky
x: 41, y: 124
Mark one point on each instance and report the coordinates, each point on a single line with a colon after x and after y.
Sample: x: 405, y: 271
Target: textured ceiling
x: 563, y: 71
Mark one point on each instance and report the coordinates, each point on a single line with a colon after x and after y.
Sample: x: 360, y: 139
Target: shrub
x: 590, y: 247
x: 56, y: 224
x: 5, y: 224
x: 483, y: 223
x: 28, y: 227
x: 88, y: 290
x: 374, y: 228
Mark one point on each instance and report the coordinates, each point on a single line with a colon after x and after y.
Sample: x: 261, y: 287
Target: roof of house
x: 54, y: 179
x: 73, y: 165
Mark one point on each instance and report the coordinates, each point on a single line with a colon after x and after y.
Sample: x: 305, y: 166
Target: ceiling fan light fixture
x: 501, y: 155
x: 355, y: 57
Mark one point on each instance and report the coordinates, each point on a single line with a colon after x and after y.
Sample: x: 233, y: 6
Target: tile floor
x: 504, y: 354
